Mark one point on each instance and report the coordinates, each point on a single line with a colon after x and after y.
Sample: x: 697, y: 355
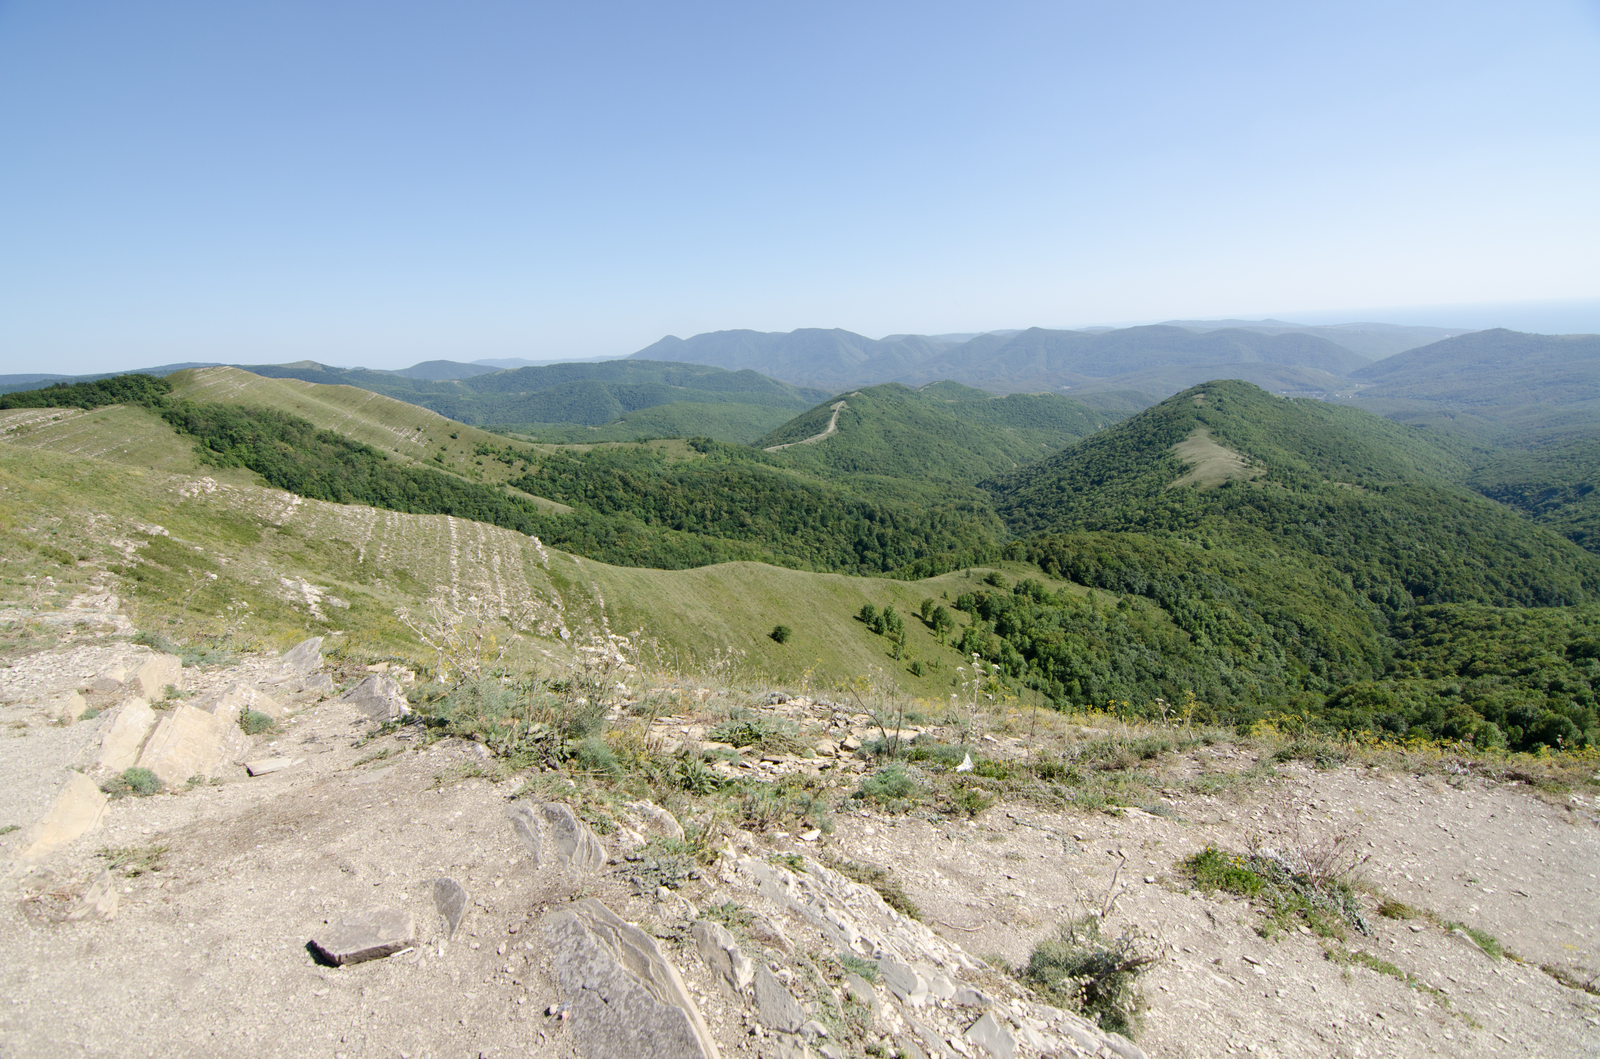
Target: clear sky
x: 377, y: 183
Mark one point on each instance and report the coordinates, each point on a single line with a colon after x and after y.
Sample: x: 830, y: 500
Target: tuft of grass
x: 1326, y: 905
x: 1081, y: 969
x: 883, y: 881
x: 8, y: 828
x: 768, y: 735
x: 853, y: 964
x: 133, y: 861
x: 1392, y: 909
x: 891, y: 787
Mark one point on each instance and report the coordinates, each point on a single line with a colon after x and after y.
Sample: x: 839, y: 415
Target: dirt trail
x: 833, y: 428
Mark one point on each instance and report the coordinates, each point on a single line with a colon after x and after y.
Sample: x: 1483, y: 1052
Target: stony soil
x: 207, y: 955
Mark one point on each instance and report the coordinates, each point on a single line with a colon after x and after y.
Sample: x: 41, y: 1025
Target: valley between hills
x: 930, y: 720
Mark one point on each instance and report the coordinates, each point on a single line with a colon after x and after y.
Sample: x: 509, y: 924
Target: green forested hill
x: 1229, y: 463
x: 945, y: 432
x: 582, y: 394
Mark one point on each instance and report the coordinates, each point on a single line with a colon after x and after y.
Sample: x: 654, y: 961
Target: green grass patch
x: 1080, y: 969
x: 1325, y: 906
x: 133, y: 861
x: 883, y: 881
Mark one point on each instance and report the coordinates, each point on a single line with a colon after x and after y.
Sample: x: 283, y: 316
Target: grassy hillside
x: 946, y: 433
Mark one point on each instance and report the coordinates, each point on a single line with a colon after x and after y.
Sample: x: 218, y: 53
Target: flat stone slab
x: 370, y: 934
x: 268, y: 765
x: 76, y: 811
x: 556, y: 837
x: 626, y: 997
x: 776, y: 1006
x: 379, y: 698
x: 241, y: 698
x: 190, y: 742
x: 151, y: 678
x: 120, y: 746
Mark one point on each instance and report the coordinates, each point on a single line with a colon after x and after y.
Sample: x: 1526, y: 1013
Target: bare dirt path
x: 833, y: 428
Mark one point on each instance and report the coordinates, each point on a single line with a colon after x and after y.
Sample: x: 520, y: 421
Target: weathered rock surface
x: 721, y: 953
x: 241, y: 698
x: 556, y: 837
x: 190, y: 742
x: 71, y: 706
x: 992, y: 1037
x: 268, y: 765
x: 775, y: 1006
x: 366, y: 935
x: 125, y: 735
x: 626, y: 998
x: 450, y: 899
x: 152, y: 678
x: 99, y: 900
x: 300, y: 661
x: 77, y: 810
x: 379, y: 698
x: 654, y: 820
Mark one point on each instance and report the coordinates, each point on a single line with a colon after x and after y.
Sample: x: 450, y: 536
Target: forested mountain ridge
x: 1371, y: 497
x: 945, y: 432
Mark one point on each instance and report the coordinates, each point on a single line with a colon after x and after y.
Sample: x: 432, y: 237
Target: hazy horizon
x: 383, y: 184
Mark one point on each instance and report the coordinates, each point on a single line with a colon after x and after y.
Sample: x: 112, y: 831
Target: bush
x: 892, y: 787
x: 766, y: 734
x: 1080, y: 969
x: 139, y: 781
x: 254, y: 722
x: 781, y: 633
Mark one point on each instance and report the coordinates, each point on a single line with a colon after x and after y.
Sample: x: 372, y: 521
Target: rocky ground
x: 188, y: 922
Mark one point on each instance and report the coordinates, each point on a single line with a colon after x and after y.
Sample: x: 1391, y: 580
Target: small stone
x: 811, y: 836
x: 721, y: 953
x: 941, y: 987
x: 366, y: 935
x: 450, y: 899
x: 812, y: 1030
x: 903, y: 982
x: 972, y: 998
x: 1149, y: 878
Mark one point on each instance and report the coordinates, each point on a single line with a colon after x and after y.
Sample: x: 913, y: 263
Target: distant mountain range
x: 1158, y: 359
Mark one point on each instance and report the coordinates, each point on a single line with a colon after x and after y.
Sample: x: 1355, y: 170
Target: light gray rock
x: 1124, y: 1047
x: 988, y: 1034
x: 367, y: 935
x: 864, y: 994
x: 941, y: 987
x: 972, y: 998
x: 722, y: 955
x: 450, y: 898
x: 320, y: 683
x: 301, y: 660
x: 241, y: 698
x: 776, y: 1008
x: 556, y: 837
x: 625, y: 997
x: 98, y: 900
x: 654, y: 820
x: 268, y: 765
x: 903, y: 981
x: 813, y: 1031
x: 379, y: 698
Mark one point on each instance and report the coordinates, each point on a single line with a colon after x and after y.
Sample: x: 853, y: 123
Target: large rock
x: 191, y: 742
x: 152, y: 678
x: 241, y: 698
x: 379, y: 698
x: 721, y: 953
x: 298, y: 662
x: 625, y: 996
x: 366, y: 935
x: 125, y: 736
x: 654, y: 820
x: 992, y: 1037
x: 776, y: 1007
x: 556, y: 837
x: 76, y: 811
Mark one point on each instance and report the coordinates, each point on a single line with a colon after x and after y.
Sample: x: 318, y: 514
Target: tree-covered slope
x: 1266, y: 475
x: 585, y: 394
x: 1497, y: 368
x: 946, y: 432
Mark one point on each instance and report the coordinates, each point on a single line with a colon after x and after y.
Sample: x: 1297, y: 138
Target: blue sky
x: 380, y: 183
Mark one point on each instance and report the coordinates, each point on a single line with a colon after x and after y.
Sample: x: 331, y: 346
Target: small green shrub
x: 867, y: 969
x: 781, y: 633
x: 1391, y: 909
x: 883, y: 881
x: 661, y: 862
x: 891, y: 787
x: 769, y: 735
x: 254, y: 722
x: 1079, y: 968
x: 137, y: 781
x: 7, y: 829
x: 133, y: 861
